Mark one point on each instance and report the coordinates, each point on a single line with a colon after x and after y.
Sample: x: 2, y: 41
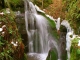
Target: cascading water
x: 36, y: 26
x: 66, y: 24
x: 68, y: 38
x: 38, y: 36
x: 58, y: 24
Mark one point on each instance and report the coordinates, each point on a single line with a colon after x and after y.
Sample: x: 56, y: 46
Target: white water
x: 58, y: 24
x: 38, y: 36
x: 37, y: 56
x: 38, y: 9
x: 66, y: 24
x: 53, y: 44
x: 68, y: 38
x: 68, y: 44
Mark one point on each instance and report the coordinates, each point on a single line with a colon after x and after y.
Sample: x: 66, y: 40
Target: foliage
x: 15, y: 2
x: 12, y: 4
x: 75, y: 49
x: 72, y: 8
x: 17, y: 5
x: 11, y: 46
x: 45, y: 3
x: 52, y: 55
x: 5, y: 50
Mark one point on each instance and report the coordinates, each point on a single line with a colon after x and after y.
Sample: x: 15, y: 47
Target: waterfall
x: 66, y: 24
x: 68, y: 38
x: 58, y: 24
x: 36, y: 26
x: 38, y: 36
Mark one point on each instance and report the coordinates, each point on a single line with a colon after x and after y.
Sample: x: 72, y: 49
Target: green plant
x: 52, y: 55
x: 1, y: 41
x: 5, y: 49
x: 12, y: 4
x: 42, y: 3
x: 75, y: 49
x: 11, y: 46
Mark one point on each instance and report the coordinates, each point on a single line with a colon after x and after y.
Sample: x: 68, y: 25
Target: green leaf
x: 1, y: 43
x: 1, y: 38
x: 2, y: 53
x: 78, y: 51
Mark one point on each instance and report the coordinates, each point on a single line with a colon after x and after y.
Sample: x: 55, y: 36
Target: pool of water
x: 37, y: 56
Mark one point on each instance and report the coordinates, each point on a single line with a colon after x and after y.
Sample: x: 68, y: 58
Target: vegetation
x: 12, y: 4
x: 42, y: 3
x: 52, y: 55
x: 75, y: 49
x: 11, y: 46
x: 72, y: 8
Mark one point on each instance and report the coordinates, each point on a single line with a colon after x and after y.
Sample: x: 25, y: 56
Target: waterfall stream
x: 68, y: 38
x: 38, y: 36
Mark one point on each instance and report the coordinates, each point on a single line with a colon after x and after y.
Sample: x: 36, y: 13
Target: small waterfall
x: 58, y: 24
x: 53, y: 44
x: 38, y: 36
x: 36, y: 26
x: 68, y: 37
x: 66, y: 24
